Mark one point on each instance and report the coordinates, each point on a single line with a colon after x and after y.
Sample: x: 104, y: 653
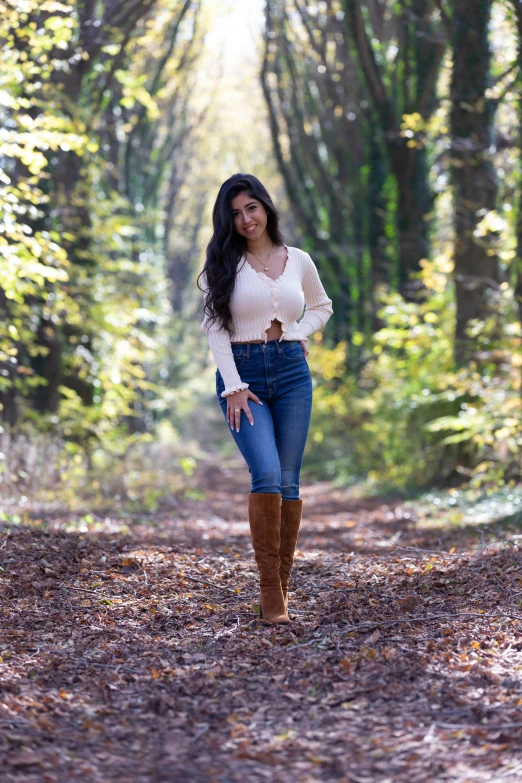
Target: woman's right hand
x: 239, y: 400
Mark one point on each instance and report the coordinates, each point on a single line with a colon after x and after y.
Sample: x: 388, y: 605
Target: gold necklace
x: 263, y: 262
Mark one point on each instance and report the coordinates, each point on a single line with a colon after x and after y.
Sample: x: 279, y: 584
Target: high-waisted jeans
x: 273, y: 448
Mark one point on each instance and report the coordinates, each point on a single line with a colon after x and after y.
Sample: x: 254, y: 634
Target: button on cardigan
x: 257, y: 300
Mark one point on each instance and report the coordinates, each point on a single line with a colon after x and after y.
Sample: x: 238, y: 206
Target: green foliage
x: 83, y: 291
x: 138, y: 471
x: 412, y: 419
x: 32, y: 260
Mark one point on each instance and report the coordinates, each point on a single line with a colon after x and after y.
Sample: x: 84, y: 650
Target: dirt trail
x: 130, y: 651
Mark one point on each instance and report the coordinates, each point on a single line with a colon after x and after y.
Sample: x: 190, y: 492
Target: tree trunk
x: 473, y: 174
x: 415, y: 201
x: 421, y: 48
x: 518, y: 258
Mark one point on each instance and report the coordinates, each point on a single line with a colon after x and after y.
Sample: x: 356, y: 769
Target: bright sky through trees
x: 229, y: 77
x: 236, y: 29
x: 234, y: 135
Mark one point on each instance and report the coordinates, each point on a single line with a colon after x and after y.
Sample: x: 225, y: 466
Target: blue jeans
x: 278, y: 373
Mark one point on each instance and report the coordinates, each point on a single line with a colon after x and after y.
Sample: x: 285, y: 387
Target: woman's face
x: 249, y: 216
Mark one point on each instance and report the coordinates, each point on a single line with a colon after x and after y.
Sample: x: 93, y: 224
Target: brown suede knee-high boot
x: 290, y: 522
x: 264, y: 516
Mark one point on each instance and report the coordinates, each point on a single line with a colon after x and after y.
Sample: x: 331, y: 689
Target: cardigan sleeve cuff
x: 232, y: 389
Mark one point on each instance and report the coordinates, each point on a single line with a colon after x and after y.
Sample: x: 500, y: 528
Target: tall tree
x: 405, y: 83
x: 472, y: 170
x: 157, y: 151
x: 518, y: 259
x: 90, y: 82
x: 316, y: 109
x: 338, y: 79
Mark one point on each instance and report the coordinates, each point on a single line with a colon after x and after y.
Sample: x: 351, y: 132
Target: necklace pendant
x: 266, y: 269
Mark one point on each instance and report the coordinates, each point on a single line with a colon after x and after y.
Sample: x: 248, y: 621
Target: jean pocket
x: 292, y: 351
x: 239, y: 359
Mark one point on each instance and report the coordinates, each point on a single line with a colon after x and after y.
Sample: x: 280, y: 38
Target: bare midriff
x: 273, y: 332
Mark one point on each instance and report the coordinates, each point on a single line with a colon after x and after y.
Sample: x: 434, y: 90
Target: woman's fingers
x: 237, y: 417
x: 247, y: 408
x: 234, y: 416
x: 230, y: 416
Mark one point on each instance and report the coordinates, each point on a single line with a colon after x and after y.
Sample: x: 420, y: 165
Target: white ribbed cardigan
x: 257, y: 300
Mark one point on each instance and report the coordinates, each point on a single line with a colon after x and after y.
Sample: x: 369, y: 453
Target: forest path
x: 131, y: 653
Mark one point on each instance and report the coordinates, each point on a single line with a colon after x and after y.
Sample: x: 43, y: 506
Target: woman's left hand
x: 304, y: 346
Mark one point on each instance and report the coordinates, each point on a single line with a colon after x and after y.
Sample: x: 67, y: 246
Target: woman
x: 255, y: 290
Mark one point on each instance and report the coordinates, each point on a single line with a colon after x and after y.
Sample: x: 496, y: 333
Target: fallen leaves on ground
x: 130, y: 650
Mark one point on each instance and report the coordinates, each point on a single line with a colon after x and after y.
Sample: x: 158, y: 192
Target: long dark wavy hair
x: 226, y: 248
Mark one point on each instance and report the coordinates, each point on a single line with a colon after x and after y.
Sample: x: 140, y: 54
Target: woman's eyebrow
x: 250, y: 204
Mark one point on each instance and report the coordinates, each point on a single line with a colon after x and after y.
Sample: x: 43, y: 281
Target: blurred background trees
x: 389, y: 133
x: 90, y: 143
